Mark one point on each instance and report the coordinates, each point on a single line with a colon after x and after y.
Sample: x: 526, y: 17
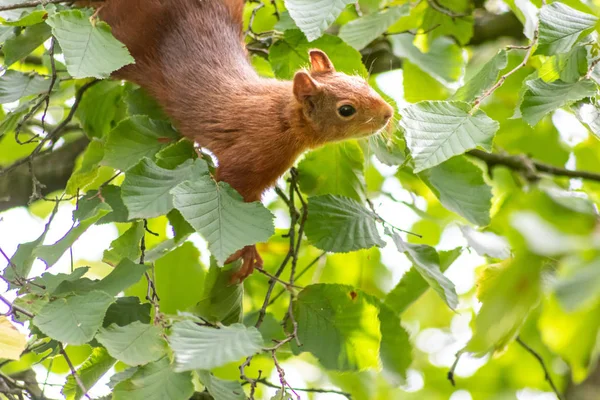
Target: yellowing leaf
x: 12, y: 342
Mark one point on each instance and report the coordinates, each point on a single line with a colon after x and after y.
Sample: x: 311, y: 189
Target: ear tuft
x: 304, y: 86
x: 320, y: 62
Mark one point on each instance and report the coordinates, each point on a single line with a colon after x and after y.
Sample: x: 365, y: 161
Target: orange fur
x: 190, y: 57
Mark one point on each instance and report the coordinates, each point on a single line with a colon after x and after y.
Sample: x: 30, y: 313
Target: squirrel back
x: 190, y: 56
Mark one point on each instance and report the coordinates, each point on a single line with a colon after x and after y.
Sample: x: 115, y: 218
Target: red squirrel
x: 190, y: 56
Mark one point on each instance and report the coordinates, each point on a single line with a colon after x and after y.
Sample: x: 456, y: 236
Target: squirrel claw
x: 250, y: 260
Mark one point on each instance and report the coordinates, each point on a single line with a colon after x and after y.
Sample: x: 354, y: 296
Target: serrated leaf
x: 155, y: 381
x: 340, y: 224
x: 133, y: 344
x: 388, y: 150
x: 561, y: 27
x: 135, y: 138
x: 101, y: 108
x: 221, y: 389
x: 24, y: 17
x: 146, y: 188
x: 313, y: 17
x: 427, y: 262
x: 362, y: 31
x: 439, y: 130
x: 20, y: 46
x: 438, y: 24
x: 460, y: 187
x: 486, y: 243
x: 412, y: 285
x: 290, y: 53
x: 202, y: 347
x: 12, y: 342
x: 579, y: 287
x: 74, y: 319
x: 507, y: 298
x: 50, y: 282
x: 15, y: 85
x: 396, y: 350
x: 88, y: 170
x: 339, y: 326
x: 484, y: 79
x: 125, y: 246
x: 51, y: 253
x: 221, y: 301
x: 444, y: 60
x: 541, y: 97
x: 127, y: 310
x: 220, y: 215
x: 568, y: 67
x: 125, y: 274
x: 90, y: 372
x: 345, y: 165
x: 90, y: 50
x: 176, y: 154
x: 589, y: 114
x: 139, y: 102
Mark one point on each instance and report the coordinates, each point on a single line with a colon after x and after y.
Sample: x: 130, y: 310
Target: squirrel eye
x: 346, y: 110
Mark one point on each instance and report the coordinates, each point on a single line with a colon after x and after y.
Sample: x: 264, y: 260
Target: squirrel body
x: 190, y: 56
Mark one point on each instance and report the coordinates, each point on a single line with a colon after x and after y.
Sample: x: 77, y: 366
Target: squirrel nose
x: 388, y: 113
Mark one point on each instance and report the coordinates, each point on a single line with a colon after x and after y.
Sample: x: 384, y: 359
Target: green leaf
x: 221, y: 389
x: 24, y: 18
x: 133, y: 344
x: 314, y: 17
x: 176, y: 154
x: 50, y: 254
x: 290, y: 54
x: 388, y: 150
x: 202, y: 347
x: 340, y: 224
x: 507, y: 296
x: 561, y: 27
x: 181, y: 228
x: 460, y: 187
x: 50, y: 282
x: 74, y: 319
x: 396, y: 350
x: 362, y: 31
x: 127, y: 310
x: 121, y: 277
x: 88, y: 170
x: 90, y: 372
x: 589, y: 114
x: 568, y: 67
x: 412, y: 285
x: 155, y: 381
x: 19, y: 47
x: 125, y: 246
x: 339, y: 326
x: 135, y: 138
x: 146, y: 188
x: 444, y: 60
x: 426, y: 262
x: 541, y: 97
x: 438, y: 24
x: 486, y: 243
x: 15, y: 85
x: 221, y: 216
x: 438, y: 130
x: 90, y: 50
x: 345, y: 177
x: 483, y: 80
x: 24, y: 257
x: 139, y: 102
x: 579, y: 287
x: 221, y: 301
x: 179, y: 288
x: 101, y: 108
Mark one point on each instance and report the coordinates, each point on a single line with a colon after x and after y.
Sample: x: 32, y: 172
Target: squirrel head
x: 339, y: 106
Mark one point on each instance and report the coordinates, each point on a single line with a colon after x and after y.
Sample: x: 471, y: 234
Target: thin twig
x: 543, y: 365
x: 453, y: 367
x: 524, y: 164
x: 300, y: 274
x: 12, y: 308
x: 443, y: 10
x: 265, y: 382
x: 73, y: 371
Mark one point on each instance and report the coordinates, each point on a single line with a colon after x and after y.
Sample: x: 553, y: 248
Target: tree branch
x: 543, y: 365
x: 530, y: 167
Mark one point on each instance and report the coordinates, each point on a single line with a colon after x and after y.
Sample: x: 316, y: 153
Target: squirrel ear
x: 304, y: 86
x: 320, y: 62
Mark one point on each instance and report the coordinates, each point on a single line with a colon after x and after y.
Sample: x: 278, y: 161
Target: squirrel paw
x: 250, y: 260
